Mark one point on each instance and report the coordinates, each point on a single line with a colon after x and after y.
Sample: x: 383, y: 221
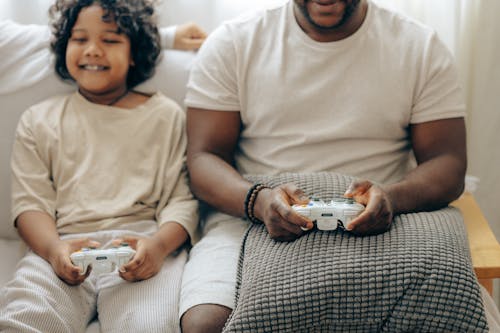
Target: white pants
x: 210, y: 273
x: 36, y: 300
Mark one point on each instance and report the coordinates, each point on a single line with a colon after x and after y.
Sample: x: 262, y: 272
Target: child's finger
x: 136, y: 261
x: 117, y: 241
x: 77, y: 244
x: 72, y: 274
x: 131, y: 241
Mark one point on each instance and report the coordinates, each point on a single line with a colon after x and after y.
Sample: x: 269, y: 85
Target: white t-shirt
x: 342, y: 106
x: 95, y: 167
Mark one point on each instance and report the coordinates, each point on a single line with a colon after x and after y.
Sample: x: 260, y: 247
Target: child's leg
x: 36, y: 300
x: 146, y: 306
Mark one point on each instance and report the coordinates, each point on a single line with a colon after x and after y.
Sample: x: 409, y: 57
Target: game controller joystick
x: 102, y: 260
x: 328, y: 216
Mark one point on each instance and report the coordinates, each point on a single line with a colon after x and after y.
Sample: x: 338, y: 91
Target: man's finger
x: 358, y: 187
x: 294, y: 194
x: 290, y: 217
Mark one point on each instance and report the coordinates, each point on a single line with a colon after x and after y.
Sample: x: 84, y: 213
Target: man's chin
x: 326, y: 23
x: 328, y: 17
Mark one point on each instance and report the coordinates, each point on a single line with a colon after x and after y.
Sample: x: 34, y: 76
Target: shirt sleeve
x: 25, y: 53
x: 213, y: 80
x: 167, y: 36
x: 439, y: 94
x: 177, y: 203
x: 32, y: 186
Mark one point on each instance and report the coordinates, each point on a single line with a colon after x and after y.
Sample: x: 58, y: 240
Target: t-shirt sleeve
x: 213, y: 80
x: 177, y: 203
x: 438, y: 94
x: 32, y: 186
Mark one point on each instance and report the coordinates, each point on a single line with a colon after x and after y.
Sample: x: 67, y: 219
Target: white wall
x: 207, y: 13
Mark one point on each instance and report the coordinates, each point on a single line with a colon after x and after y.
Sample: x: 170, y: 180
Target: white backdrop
x: 470, y: 28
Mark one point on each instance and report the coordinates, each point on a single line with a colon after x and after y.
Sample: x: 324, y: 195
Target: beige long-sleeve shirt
x: 94, y: 167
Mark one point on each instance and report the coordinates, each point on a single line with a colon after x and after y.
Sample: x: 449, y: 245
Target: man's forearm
x: 432, y: 185
x: 217, y: 183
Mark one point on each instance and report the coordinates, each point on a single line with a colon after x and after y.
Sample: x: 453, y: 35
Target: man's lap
x: 210, y: 273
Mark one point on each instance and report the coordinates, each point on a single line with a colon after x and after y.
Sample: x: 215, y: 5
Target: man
x: 314, y: 85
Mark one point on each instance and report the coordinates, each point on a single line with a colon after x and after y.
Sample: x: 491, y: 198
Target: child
x: 103, y: 165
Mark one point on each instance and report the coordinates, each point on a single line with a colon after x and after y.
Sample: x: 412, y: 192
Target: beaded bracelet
x: 250, y: 200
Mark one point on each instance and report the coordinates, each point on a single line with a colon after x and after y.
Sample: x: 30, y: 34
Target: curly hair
x: 135, y: 18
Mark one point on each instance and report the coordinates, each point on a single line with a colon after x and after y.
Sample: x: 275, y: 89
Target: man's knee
x: 205, y: 318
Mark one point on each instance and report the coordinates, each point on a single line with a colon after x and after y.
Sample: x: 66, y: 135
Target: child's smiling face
x: 98, y: 57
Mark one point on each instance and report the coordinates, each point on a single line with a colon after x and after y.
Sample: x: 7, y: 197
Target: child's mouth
x: 93, y: 67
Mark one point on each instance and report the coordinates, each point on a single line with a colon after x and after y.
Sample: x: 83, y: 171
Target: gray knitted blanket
x: 417, y: 277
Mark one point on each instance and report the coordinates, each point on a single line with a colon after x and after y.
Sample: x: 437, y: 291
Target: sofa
x: 171, y: 78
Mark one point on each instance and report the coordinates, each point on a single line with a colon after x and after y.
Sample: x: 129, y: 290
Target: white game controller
x: 328, y: 216
x: 102, y: 261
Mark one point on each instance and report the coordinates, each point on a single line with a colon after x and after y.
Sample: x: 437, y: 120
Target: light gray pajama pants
x: 36, y: 300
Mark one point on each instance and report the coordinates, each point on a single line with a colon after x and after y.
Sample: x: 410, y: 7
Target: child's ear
x: 132, y: 63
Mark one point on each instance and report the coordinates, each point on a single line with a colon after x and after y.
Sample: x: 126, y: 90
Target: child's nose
x: 93, y: 50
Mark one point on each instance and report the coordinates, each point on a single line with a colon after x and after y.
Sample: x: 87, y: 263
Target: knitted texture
x: 417, y: 277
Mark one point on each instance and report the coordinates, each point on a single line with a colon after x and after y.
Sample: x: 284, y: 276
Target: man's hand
x: 59, y: 258
x: 189, y: 36
x: 147, y: 260
x: 274, y: 208
x: 377, y: 216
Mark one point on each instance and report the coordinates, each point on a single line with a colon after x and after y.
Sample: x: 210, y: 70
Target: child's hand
x: 146, y: 262
x: 189, y: 36
x: 61, y: 263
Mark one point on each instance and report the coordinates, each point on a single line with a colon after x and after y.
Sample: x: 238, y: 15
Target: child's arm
x: 181, y: 219
x: 38, y: 230
x: 34, y: 195
x: 151, y: 252
x: 177, y: 210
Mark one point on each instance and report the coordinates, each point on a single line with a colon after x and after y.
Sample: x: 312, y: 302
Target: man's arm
x: 212, y: 139
x: 440, y: 150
